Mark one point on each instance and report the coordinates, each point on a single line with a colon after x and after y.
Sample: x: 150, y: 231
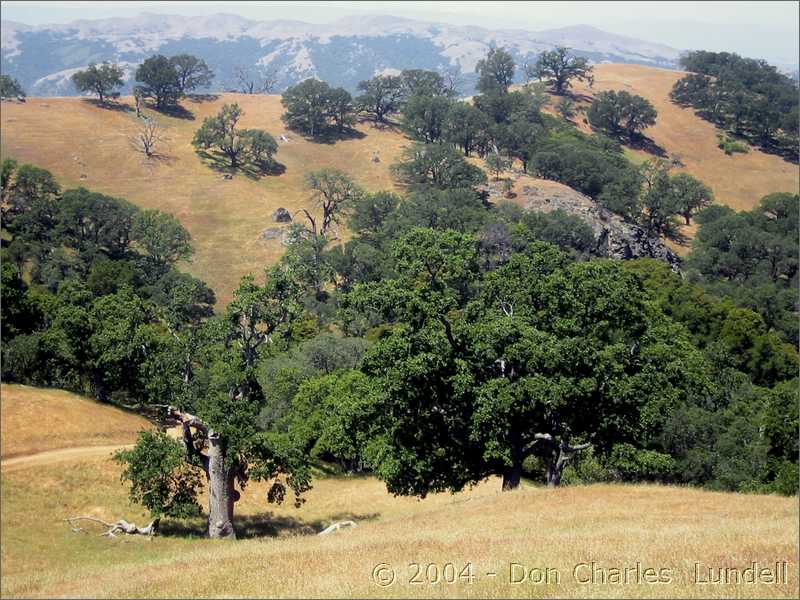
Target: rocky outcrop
x: 281, y: 215
x: 616, y: 238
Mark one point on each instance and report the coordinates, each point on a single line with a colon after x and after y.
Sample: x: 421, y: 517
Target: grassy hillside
x: 739, y: 181
x: 41, y: 420
x: 82, y: 144
x: 86, y: 145
x: 280, y: 555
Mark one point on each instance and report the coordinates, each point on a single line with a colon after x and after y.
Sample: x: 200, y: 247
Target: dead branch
x: 337, y: 527
x: 148, y: 137
x: 121, y: 526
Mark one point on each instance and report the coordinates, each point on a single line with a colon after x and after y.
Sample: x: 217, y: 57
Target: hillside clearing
x: 84, y: 145
x: 38, y: 420
x: 738, y: 181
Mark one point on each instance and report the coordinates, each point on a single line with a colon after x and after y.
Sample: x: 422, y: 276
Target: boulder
x: 281, y: 215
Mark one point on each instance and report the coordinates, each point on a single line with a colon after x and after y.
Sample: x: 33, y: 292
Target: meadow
x: 568, y: 541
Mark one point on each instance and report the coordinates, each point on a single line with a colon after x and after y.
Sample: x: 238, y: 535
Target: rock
x: 281, y: 215
x: 272, y: 233
x: 227, y: 176
x: 616, y: 238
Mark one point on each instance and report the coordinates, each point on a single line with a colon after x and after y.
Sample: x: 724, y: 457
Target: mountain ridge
x: 342, y: 52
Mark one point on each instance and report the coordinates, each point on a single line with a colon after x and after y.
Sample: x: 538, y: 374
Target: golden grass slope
x: 42, y: 420
x: 84, y: 145
x: 738, y: 181
x: 278, y: 555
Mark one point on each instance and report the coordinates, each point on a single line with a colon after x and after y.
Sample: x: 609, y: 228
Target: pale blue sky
x: 759, y: 29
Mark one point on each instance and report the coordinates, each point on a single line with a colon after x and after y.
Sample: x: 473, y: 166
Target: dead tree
x: 263, y: 82
x: 113, y: 529
x: 149, y: 136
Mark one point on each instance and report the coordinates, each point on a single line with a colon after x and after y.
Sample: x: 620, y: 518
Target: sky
x: 762, y: 29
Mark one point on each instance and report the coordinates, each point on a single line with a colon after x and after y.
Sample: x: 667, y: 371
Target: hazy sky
x: 759, y: 29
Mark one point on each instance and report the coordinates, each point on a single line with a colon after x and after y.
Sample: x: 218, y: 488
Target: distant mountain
x: 43, y: 58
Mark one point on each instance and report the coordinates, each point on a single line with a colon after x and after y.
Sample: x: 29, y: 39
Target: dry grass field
x: 84, y: 145
x: 41, y: 420
x: 739, y: 181
x: 668, y: 529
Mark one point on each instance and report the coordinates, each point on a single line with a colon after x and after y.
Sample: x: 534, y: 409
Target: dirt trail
x: 54, y: 456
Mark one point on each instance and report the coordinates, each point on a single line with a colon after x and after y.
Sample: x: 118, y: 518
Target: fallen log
x: 337, y: 527
x: 121, y: 526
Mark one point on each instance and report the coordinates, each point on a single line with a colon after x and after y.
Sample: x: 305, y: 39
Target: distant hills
x: 43, y: 58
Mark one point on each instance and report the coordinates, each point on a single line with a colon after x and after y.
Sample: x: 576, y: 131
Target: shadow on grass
x: 265, y: 524
x: 222, y: 164
x: 331, y: 136
x: 109, y: 105
x: 645, y: 144
x: 176, y: 112
x: 200, y: 98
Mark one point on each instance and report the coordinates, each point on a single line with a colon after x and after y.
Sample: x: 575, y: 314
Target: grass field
x: 739, y: 181
x: 612, y: 526
x: 83, y: 144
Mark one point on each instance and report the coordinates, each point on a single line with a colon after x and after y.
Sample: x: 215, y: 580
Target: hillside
x: 38, y: 420
x: 739, y: 181
x: 279, y: 555
x: 83, y: 145
x: 86, y: 145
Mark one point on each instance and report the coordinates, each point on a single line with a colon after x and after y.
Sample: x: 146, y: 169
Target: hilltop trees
x: 240, y: 146
x: 495, y: 72
x: 315, y: 108
x: 559, y: 67
x: 100, y: 80
x: 621, y: 113
x: 10, y: 87
x: 439, y: 166
x: 191, y: 72
x: 166, y: 80
x: 747, y: 96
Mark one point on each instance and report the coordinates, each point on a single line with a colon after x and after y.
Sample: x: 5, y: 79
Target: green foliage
x: 425, y: 117
x: 629, y: 463
x: 316, y: 109
x: 495, y: 72
x: 382, y: 96
x: 158, y: 79
x: 559, y: 67
x: 99, y: 80
x: 162, y: 237
x: 496, y: 164
x: 191, y: 72
x: 731, y: 146
x: 160, y: 478
x: 439, y: 166
x: 619, y: 113
x: 10, y: 87
x: 242, y: 147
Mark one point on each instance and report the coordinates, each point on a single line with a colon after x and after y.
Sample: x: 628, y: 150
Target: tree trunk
x: 221, y: 491
x: 511, y: 477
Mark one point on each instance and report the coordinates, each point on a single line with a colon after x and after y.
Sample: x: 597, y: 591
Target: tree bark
x: 511, y: 477
x: 221, y: 491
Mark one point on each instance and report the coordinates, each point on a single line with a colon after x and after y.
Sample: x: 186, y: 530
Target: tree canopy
x: 100, y: 80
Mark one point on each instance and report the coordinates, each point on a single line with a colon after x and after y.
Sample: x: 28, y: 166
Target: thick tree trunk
x: 511, y: 477
x: 221, y: 491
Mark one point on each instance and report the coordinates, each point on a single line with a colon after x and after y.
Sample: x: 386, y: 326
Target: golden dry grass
x: 738, y: 181
x: 278, y: 554
x: 84, y: 145
x: 614, y: 526
x: 38, y: 420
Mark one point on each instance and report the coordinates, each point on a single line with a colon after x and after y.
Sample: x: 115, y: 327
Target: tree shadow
x: 221, y: 163
x: 175, y: 111
x: 200, y: 98
x: 331, y: 136
x: 108, y: 105
x: 265, y: 524
x: 645, y: 144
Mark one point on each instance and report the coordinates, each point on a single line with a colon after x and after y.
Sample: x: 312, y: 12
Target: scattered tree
x: 148, y: 137
x: 159, y: 80
x: 10, y: 87
x: 191, y: 72
x: 239, y: 146
x: 439, y: 166
x: 495, y: 72
x: 312, y: 106
x: 100, y: 80
x: 382, y: 96
x: 560, y: 68
x: 621, y: 113
x: 259, y: 82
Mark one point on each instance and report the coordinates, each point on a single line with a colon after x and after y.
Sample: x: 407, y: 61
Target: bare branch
x: 148, y: 137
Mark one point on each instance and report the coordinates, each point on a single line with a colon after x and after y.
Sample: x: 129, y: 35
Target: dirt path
x: 54, y: 456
